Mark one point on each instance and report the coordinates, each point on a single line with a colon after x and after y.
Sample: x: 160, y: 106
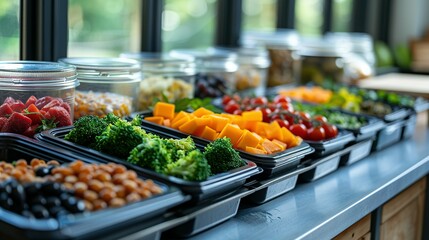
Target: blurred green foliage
x: 9, y: 30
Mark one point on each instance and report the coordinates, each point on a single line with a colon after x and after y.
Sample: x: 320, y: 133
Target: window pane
x: 103, y: 28
x: 342, y: 15
x: 9, y: 30
x: 188, y: 24
x: 259, y: 14
x: 308, y: 17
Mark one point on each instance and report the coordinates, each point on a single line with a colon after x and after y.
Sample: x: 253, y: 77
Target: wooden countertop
x: 413, y: 84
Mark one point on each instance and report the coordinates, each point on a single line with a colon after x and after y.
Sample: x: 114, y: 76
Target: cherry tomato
x: 237, y: 112
x: 272, y: 106
x: 245, y: 101
x: 307, y: 123
x: 280, y: 99
x: 285, y: 106
x: 226, y: 99
x: 304, y: 115
x: 331, y: 131
x: 289, y: 118
x: 231, y: 107
x: 320, y: 118
x: 259, y: 101
x: 265, y: 113
x: 282, y: 123
x: 316, y: 134
x: 299, y: 129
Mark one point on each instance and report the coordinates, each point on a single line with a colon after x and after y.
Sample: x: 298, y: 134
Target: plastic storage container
x: 251, y: 77
x: 216, y: 71
x: 361, y: 59
x: 214, y: 186
x: 49, y: 86
x: 281, y: 46
x: 89, y: 225
x: 321, y: 61
x: 107, y: 85
x: 163, y: 76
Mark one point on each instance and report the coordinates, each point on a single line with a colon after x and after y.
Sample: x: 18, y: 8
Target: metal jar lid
x: 95, y: 69
x: 279, y: 39
x: 36, y: 75
x: 319, y: 47
x: 256, y: 57
x: 210, y: 60
x: 163, y: 63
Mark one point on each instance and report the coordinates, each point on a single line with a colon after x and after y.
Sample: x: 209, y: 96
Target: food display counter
x: 324, y: 208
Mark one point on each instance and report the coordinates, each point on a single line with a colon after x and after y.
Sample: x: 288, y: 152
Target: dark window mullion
x: 327, y: 16
x: 43, y: 29
x: 285, y: 14
x: 228, y: 23
x: 151, y: 25
x: 360, y: 15
x: 385, y: 8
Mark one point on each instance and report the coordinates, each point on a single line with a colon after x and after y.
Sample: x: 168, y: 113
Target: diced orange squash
x: 251, y: 125
x: 232, y: 132
x: 209, y: 133
x: 201, y: 112
x: 260, y: 139
x: 167, y: 122
x: 260, y: 128
x: 156, y: 120
x: 255, y: 150
x: 288, y: 138
x: 201, y: 124
x: 270, y: 147
x: 255, y: 115
x: 180, y: 122
x: 178, y: 116
x: 247, y: 139
x: 259, y: 146
x: 163, y: 109
x: 189, y: 127
x: 218, y: 122
x: 280, y: 144
x: 274, y: 131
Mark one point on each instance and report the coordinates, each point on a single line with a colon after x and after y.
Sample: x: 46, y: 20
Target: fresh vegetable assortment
x: 33, y: 116
x: 281, y: 111
x: 337, y: 118
x: 40, y: 189
x: 246, y: 132
x: 173, y: 157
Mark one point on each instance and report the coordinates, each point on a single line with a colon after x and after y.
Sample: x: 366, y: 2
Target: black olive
x: 74, y: 205
x: 37, y: 200
x: 18, y: 196
x: 39, y: 211
x: 6, y: 202
x: 27, y: 214
x: 52, y: 188
x: 57, y: 211
x: 52, y: 202
x: 42, y: 171
x: 32, y: 189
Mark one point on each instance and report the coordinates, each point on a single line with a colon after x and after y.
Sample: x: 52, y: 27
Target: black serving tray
x: 357, y: 151
x: 321, y: 166
x: 409, y: 125
x: 199, y: 190
x: 323, y: 148
x: 388, y: 135
x: 275, y: 158
x: 208, y: 214
x: 79, y: 226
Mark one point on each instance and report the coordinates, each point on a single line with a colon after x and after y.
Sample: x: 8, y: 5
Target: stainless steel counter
x: 326, y: 207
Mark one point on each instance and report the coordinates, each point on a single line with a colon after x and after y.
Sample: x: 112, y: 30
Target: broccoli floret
x: 178, y: 148
x: 85, y: 130
x: 120, y: 138
x: 221, y: 156
x: 151, y: 153
x: 192, y: 167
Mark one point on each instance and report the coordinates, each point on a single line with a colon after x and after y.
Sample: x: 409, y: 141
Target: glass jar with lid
x: 163, y: 76
x: 215, y: 71
x: 251, y: 76
x: 320, y: 61
x: 34, y: 93
x: 281, y: 46
x: 107, y: 85
x: 361, y: 59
